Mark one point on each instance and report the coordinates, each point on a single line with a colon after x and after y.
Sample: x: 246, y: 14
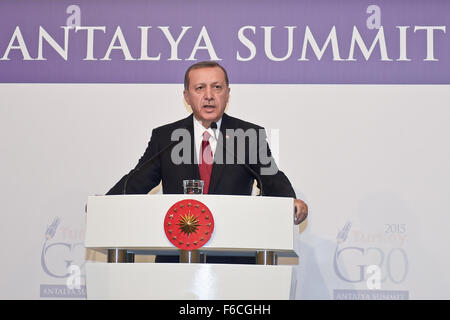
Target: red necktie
x: 206, y: 162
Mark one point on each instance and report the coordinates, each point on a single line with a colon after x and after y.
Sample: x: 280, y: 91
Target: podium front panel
x: 173, y: 281
x: 241, y: 222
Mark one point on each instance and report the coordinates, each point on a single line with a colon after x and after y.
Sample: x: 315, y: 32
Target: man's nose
x: 208, y: 94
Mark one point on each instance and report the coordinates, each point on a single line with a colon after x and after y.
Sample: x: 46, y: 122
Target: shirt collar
x: 199, y: 129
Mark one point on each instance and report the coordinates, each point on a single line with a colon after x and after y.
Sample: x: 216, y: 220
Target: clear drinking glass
x: 193, y: 186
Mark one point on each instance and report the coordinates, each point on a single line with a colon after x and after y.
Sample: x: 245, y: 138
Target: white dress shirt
x: 199, y: 129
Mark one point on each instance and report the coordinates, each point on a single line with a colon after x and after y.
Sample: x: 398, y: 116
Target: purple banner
x: 371, y: 295
x: 266, y: 41
x: 61, y: 291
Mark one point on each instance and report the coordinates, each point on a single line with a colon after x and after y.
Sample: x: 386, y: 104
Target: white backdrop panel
x: 374, y: 157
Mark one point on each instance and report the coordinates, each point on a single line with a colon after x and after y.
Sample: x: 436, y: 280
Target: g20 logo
x: 65, y: 253
x: 57, y: 259
x: 390, y: 265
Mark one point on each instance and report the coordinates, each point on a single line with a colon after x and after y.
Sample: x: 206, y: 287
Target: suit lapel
x: 193, y: 166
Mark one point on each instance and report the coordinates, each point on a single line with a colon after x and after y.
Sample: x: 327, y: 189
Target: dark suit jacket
x: 231, y: 179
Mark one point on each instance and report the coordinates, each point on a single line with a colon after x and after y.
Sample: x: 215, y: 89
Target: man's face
x: 207, y: 94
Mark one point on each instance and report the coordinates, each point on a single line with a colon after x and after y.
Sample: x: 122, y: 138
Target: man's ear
x: 186, y: 97
x: 228, y: 94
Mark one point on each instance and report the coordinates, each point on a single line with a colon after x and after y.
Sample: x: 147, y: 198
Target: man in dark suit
x: 228, y: 157
x: 227, y: 177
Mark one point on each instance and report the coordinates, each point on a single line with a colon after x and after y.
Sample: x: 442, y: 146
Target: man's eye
x: 199, y: 88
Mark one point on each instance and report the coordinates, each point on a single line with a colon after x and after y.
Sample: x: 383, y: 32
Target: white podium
x: 127, y: 224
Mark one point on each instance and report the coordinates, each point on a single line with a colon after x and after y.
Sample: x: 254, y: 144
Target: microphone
x: 252, y: 172
x: 214, y: 128
x: 146, y: 163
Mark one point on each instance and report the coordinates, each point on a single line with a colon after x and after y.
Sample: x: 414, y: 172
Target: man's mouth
x: 209, y: 107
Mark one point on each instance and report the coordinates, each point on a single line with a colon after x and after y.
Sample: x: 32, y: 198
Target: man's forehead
x: 206, y: 82
x: 214, y: 74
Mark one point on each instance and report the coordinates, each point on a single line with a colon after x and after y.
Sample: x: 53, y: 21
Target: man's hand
x: 300, y: 211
